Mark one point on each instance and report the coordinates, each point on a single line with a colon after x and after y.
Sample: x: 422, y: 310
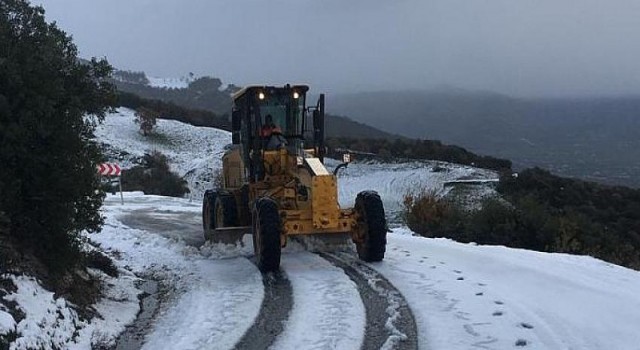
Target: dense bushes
x: 48, y: 180
x: 154, y: 177
x: 542, y: 212
x: 418, y: 149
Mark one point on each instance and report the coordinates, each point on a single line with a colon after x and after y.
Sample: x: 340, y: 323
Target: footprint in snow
x: 469, y: 329
x: 498, y: 302
x: 481, y: 284
x: 433, y: 266
x: 526, y: 325
x: 479, y: 293
x: 497, y: 313
x: 442, y: 263
x: 421, y: 261
x: 460, y: 278
x: 521, y: 342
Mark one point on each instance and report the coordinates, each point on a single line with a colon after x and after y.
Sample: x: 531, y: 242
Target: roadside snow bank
x: 53, y: 323
x: 467, y: 296
x: 49, y: 322
x: 213, y: 296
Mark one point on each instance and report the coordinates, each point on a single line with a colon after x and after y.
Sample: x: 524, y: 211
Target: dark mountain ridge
x: 596, y: 138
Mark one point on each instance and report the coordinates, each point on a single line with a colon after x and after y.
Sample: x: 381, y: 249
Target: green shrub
x: 49, y: 188
x: 494, y: 223
x: 154, y: 177
x: 430, y: 216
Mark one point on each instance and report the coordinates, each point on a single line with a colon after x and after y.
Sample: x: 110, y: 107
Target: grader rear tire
x: 267, y: 228
x: 208, y: 214
x: 372, y: 226
x: 226, y: 212
x: 218, y: 210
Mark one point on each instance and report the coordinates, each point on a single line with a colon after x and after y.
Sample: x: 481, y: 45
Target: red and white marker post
x: 112, y: 169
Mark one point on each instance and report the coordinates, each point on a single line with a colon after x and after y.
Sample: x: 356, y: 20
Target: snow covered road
x: 462, y: 296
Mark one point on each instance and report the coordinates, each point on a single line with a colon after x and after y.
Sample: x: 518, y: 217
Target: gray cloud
x: 520, y: 47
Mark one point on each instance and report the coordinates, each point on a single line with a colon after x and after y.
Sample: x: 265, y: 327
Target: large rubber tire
x: 372, y: 226
x: 267, y: 227
x: 208, y: 213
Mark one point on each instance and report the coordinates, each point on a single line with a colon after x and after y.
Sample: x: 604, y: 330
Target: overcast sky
x: 518, y: 47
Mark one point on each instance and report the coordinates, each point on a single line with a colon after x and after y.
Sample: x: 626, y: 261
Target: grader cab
x: 275, y: 185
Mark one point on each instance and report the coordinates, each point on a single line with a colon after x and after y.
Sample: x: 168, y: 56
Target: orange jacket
x: 267, y: 130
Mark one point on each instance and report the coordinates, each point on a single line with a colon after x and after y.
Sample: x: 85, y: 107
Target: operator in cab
x: 272, y: 134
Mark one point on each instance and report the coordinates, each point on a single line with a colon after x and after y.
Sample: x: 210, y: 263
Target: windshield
x: 286, y: 112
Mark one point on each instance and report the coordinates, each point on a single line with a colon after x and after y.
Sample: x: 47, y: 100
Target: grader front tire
x: 372, y: 227
x: 267, y: 227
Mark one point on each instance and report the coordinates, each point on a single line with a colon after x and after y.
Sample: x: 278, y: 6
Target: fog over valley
x: 521, y: 48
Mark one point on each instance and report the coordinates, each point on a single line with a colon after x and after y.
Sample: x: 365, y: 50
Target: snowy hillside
x: 426, y: 294
x: 194, y: 153
x: 170, y: 83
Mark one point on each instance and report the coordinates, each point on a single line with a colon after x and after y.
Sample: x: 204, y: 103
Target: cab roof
x: 257, y: 88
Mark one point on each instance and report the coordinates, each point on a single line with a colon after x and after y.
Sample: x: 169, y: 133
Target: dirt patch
x: 133, y: 336
x: 100, y: 261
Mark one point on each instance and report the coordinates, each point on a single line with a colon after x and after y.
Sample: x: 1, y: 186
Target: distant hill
x: 204, y: 93
x: 207, y: 94
x: 593, y: 138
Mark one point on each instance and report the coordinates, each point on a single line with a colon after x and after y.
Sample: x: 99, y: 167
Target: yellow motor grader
x: 275, y: 184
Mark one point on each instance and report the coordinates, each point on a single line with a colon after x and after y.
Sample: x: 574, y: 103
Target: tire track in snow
x: 274, y: 311
x: 328, y: 312
x: 215, y: 302
x: 390, y: 322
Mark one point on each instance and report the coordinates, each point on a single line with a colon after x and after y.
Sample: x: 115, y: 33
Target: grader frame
x: 276, y: 193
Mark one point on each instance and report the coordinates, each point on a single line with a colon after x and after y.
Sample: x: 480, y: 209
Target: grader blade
x: 327, y: 242
x: 230, y: 235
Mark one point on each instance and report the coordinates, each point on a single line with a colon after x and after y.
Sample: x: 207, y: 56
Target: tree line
x: 402, y: 149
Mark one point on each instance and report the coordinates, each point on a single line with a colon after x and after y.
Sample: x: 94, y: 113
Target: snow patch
x: 170, y: 83
x: 7, y: 323
x: 49, y: 322
x: 394, y: 181
x: 53, y: 323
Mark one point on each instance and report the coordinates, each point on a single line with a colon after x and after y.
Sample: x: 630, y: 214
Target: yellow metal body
x: 306, y: 193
